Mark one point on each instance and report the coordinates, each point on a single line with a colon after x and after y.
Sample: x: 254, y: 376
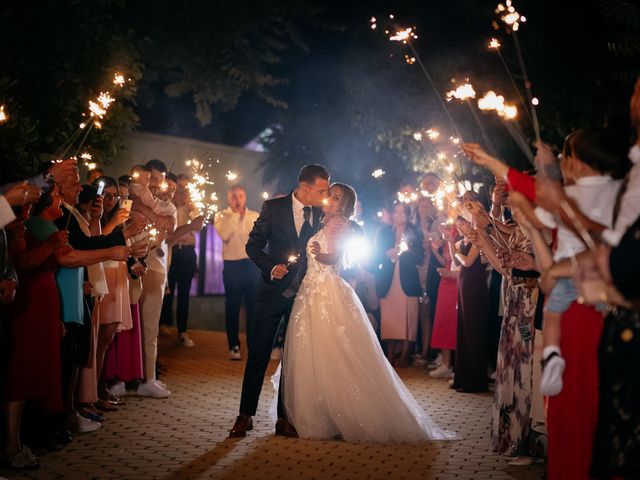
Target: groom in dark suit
x: 277, y: 245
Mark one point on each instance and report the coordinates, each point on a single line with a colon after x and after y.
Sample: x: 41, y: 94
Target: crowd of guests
x: 529, y: 290
x: 86, y: 272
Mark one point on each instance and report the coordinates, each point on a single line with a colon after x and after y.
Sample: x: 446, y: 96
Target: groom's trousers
x: 264, y: 328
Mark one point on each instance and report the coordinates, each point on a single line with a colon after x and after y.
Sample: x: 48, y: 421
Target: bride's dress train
x: 337, y: 381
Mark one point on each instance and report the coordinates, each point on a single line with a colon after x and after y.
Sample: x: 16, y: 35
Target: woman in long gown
x: 473, y: 307
x: 337, y: 381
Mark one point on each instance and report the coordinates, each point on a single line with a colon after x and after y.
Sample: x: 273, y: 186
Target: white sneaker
x: 441, y: 372
x: 117, y: 389
x: 153, y: 388
x: 234, y: 353
x: 276, y: 353
x: 185, y: 341
x: 83, y: 425
x: 436, y: 363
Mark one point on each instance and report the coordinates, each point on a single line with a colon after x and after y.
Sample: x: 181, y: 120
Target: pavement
x: 185, y: 436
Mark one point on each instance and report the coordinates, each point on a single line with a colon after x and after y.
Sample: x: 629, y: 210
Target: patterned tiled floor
x: 184, y: 436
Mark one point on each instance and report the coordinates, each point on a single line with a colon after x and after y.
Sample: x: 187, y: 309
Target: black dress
x: 616, y: 449
x: 473, y: 309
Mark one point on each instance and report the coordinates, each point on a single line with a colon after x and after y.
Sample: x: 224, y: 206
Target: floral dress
x: 511, y: 415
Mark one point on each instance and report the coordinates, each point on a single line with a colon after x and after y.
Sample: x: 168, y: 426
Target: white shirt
x: 298, y: 213
x: 158, y: 261
x: 234, y: 232
x: 183, y: 216
x: 6, y: 212
x: 630, y: 203
x: 595, y: 197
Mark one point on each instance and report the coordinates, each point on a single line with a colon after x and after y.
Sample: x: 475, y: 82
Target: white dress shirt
x: 157, y: 257
x: 595, y: 197
x: 234, y: 232
x: 630, y: 203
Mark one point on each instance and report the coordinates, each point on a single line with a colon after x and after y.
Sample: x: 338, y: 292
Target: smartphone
x: 126, y: 204
x: 100, y: 188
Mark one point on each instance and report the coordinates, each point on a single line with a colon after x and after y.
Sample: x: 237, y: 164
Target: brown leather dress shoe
x: 285, y: 429
x: 243, y: 423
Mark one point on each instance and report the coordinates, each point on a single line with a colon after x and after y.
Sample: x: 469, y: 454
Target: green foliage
x: 68, y: 57
x: 221, y: 50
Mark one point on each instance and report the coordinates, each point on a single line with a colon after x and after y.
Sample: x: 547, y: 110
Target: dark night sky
x: 560, y: 49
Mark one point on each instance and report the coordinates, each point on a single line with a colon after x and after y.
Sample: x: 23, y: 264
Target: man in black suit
x: 284, y: 228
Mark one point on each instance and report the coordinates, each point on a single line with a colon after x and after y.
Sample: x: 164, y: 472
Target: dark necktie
x: 306, y: 232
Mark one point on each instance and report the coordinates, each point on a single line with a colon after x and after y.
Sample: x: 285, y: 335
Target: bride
x: 337, y: 381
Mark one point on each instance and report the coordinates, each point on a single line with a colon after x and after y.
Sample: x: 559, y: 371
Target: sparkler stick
x: 495, y: 45
x: 527, y: 85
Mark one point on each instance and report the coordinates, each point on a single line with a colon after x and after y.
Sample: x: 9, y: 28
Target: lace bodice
x: 317, y: 270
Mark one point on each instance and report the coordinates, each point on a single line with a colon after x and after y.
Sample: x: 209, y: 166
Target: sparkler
x: 231, y: 176
x: 377, y: 173
x: 3, y: 115
x: 203, y: 200
x: 513, y: 19
x: 432, y: 134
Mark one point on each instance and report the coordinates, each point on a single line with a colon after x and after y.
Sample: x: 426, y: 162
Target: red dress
x: 572, y: 415
x: 445, y: 323
x: 34, y: 335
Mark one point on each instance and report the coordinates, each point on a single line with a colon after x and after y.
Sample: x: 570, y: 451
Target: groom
x: 284, y: 227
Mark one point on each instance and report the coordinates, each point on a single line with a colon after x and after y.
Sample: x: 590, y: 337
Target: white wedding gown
x: 337, y: 381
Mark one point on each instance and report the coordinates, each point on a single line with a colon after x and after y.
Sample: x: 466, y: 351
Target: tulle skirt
x: 337, y: 381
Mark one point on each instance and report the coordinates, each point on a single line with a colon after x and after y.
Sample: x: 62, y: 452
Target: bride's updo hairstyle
x: 349, y: 199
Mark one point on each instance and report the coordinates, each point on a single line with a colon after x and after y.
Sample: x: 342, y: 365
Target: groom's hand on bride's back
x: 279, y: 271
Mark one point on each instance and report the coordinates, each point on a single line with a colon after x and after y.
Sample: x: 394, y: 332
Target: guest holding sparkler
x: 445, y: 320
x: 183, y: 265
x: 162, y: 214
x: 240, y: 275
x: 400, y: 251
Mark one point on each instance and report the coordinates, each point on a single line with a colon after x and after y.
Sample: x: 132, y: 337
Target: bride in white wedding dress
x: 337, y: 380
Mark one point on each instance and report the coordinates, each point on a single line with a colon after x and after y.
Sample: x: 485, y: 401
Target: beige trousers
x: 153, y: 283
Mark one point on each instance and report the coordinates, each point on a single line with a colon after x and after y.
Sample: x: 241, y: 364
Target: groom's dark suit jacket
x: 273, y: 240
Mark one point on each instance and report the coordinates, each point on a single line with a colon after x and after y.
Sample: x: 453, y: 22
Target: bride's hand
x: 315, y: 248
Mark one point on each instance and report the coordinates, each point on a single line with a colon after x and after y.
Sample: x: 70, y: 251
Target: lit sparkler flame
x: 417, y: 136
x: 494, y: 43
x: 86, y: 156
x: 433, y: 134
x: 509, y: 15
x: 402, y: 247
x: 118, y: 79
x: 403, y: 35
x: 378, y: 173
x: 3, y: 115
x: 265, y: 195
x: 231, y: 175
x: 463, y: 92
x: 91, y: 166
x: 492, y: 101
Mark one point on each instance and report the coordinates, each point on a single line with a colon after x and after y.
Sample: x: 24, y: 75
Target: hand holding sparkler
x: 280, y: 270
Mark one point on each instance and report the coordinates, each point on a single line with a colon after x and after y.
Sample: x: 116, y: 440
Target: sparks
x: 492, y: 101
x: 509, y: 15
x: 265, y: 195
x: 433, y: 134
x: 118, y: 79
x: 378, y: 173
x: 494, y: 43
x: 231, y: 175
x: 86, y: 156
x: 417, y: 136
x: 463, y: 92
x: 3, y: 115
